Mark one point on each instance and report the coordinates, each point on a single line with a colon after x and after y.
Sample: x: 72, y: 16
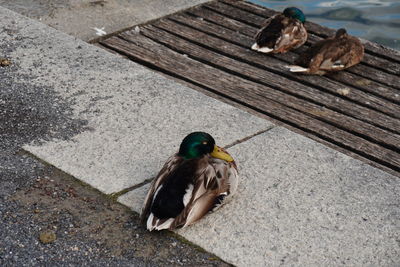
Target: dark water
x: 374, y: 20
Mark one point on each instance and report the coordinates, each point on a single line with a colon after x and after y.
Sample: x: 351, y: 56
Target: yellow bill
x: 220, y: 154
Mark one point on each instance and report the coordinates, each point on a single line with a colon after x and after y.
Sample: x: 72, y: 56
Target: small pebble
x: 47, y: 236
x: 75, y: 248
x: 345, y: 91
x: 4, y: 62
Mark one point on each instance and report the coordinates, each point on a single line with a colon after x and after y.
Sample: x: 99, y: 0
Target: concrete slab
x: 80, y: 17
x: 303, y: 204
x: 135, y: 117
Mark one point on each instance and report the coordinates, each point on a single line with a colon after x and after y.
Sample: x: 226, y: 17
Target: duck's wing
x: 293, y: 35
x: 170, y: 165
x: 187, y: 196
x: 305, y: 58
x: 353, y: 52
x: 334, y: 55
x: 171, y: 193
x: 316, y: 57
x: 339, y: 54
x: 218, y: 182
x: 270, y: 32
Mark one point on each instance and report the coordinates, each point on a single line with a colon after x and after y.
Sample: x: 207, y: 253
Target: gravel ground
x: 88, y: 228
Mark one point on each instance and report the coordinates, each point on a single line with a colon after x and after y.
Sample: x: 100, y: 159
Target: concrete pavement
x: 299, y: 202
x: 135, y: 118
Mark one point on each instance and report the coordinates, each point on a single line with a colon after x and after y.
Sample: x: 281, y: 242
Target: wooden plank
x: 230, y: 86
x: 214, y: 17
x: 377, y: 75
x: 292, y: 86
x: 274, y: 65
x: 257, y: 21
x: 286, y: 85
x: 238, y: 14
x: 372, y: 48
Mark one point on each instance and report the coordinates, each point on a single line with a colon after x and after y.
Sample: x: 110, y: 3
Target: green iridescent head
x: 294, y: 12
x: 198, y: 144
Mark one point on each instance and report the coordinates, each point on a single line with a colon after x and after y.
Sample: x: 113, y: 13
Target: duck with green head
x: 197, y: 179
x: 282, y: 32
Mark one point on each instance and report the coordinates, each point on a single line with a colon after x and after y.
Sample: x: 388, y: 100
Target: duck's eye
x: 204, y: 143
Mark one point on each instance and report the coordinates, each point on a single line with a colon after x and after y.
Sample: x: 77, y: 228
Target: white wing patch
x: 265, y: 50
x: 149, y: 223
x: 188, y: 195
x: 156, y: 225
x: 293, y: 68
x: 338, y: 64
x: 255, y: 46
x: 164, y: 225
x: 328, y: 64
x: 158, y: 190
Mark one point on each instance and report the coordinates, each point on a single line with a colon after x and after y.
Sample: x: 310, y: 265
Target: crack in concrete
x: 116, y: 195
x: 249, y: 137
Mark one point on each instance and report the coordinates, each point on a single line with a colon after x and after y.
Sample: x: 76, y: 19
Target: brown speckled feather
x: 207, y: 189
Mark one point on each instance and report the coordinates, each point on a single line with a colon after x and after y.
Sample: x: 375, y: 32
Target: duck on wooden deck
x: 335, y: 53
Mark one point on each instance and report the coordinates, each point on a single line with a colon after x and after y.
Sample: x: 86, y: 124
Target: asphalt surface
x: 89, y: 228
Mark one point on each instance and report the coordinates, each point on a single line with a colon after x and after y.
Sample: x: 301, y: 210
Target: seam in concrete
x: 249, y: 137
x: 116, y: 195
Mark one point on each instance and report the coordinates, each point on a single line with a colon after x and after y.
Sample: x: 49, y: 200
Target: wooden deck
x: 356, y: 111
